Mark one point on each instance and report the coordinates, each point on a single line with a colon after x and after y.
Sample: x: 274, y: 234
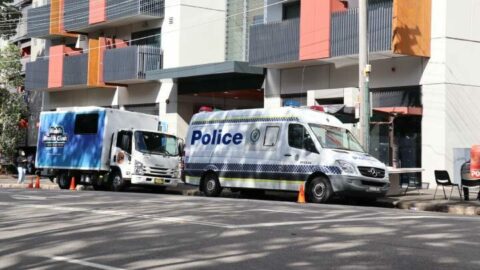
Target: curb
x: 24, y: 186
x: 466, y: 210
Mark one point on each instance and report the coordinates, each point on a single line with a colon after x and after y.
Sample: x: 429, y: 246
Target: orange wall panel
x: 93, y: 62
x: 412, y: 27
x: 97, y: 11
x: 55, y: 16
x: 315, y: 21
x: 55, y: 66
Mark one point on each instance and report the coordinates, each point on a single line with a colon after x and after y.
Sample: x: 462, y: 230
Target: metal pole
x: 364, y: 73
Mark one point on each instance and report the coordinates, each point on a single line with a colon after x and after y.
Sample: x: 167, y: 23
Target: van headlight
x: 346, y: 167
x: 138, y: 168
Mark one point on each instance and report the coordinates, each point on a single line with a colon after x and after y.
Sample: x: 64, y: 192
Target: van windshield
x: 156, y: 143
x: 336, y: 138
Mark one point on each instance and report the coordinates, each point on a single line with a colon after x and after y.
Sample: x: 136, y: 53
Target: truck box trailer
x: 107, y: 148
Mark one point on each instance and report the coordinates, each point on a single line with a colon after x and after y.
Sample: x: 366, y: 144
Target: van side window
x: 86, y: 123
x: 298, y: 137
x: 271, y: 136
x: 124, y: 141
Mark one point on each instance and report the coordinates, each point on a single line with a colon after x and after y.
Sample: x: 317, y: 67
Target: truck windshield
x: 336, y: 138
x: 156, y: 143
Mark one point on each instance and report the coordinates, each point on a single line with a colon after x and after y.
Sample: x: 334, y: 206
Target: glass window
x: 148, y: 37
x: 156, y: 143
x: 291, y: 10
x: 271, y: 136
x: 86, y: 123
x: 298, y: 137
x: 336, y: 138
x: 124, y: 141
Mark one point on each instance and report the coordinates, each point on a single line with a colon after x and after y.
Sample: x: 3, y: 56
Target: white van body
x: 280, y: 149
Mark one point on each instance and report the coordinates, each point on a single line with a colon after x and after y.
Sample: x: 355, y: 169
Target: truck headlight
x: 138, y: 168
x: 346, y: 167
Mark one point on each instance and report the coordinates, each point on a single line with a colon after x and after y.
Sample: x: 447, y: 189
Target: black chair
x: 443, y: 179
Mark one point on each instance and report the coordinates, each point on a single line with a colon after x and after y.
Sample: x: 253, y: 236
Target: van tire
x: 319, y: 190
x: 117, y: 183
x: 211, y: 186
x: 63, y: 181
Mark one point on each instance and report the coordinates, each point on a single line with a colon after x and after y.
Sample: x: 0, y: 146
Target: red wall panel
x: 55, y: 66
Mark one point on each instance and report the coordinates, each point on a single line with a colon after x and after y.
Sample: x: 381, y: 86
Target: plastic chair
x: 443, y: 179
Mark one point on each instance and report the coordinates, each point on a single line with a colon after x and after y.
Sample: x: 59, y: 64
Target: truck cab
x: 143, y: 157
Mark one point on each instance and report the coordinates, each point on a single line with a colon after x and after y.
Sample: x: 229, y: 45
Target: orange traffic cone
x: 37, y: 182
x: 301, y: 194
x: 72, y: 184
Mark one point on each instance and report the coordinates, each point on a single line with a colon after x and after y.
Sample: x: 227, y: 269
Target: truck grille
x: 373, y: 183
x: 158, y: 172
x: 372, y: 172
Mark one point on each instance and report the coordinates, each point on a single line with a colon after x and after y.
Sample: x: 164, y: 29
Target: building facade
x: 423, y: 85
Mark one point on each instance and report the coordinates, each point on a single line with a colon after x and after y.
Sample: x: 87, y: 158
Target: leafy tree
x: 12, y: 103
x: 9, y: 17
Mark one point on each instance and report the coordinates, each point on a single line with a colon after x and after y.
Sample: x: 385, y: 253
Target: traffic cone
x: 37, y: 182
x: 31, y: 183
x: 301, y: 194
x: 72, y: 184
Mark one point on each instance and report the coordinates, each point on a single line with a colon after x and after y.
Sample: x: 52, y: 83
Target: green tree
x: 9, y: 18
x: 12, y: 104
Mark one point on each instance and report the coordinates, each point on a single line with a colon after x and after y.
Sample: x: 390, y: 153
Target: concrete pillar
x: 168, y: 104
x: 272, y: 92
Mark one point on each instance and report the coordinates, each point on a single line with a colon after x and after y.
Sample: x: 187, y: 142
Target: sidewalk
x: 10, y: 181
x: 425, y: 202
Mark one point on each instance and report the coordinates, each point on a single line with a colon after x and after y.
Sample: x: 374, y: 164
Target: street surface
x: 45, y: 229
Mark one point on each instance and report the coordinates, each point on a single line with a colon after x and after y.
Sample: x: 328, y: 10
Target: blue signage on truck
x: 71, y: 140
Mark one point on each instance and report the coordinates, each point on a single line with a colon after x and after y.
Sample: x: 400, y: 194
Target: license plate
x: 374, y: 189
x: 159, y: 181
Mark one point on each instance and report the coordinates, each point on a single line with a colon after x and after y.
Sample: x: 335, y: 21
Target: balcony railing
x: 274, y: 43
x: 75, y: 70
x: 344, y: 39
x: 36, y: 75
x: 130, y: 64
x: 38, y: 25
x: 76, y: 18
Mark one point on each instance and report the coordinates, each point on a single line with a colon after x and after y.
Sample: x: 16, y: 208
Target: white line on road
x: 84, y: 263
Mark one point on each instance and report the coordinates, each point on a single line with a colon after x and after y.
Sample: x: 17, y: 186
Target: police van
x: 280, y: 149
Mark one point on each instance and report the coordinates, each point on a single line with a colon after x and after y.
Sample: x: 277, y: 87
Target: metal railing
x: 75, y: 69
x: 36, y: 75
x: 131, y: 63
x: 117, y: 9
x: 38, y: 27
x: 274, y: 43
x: 344, y: 29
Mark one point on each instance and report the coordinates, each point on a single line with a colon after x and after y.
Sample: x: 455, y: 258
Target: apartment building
x: 163, y: 57
x: 423, y: 82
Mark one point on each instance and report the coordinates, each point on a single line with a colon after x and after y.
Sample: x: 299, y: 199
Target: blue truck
x: 107, y: 148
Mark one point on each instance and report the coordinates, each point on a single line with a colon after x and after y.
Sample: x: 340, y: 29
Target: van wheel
x: 63, y: 181
x: 117, y: 183
x: 319, y: 190
x: 211, y: 186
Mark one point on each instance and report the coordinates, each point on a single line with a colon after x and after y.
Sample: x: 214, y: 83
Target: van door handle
x: 288, y: 155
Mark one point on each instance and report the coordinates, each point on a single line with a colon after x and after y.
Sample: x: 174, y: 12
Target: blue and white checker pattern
x: 263, y: 168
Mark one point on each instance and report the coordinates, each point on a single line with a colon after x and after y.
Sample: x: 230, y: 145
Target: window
x: 291, y: 10
x: 156, y: 143
x: 147, y: 37
x: 298, y: 137
x: 335, y: 138
x: 271, y: 136
x: 124, y: 141
x: 86, y: 123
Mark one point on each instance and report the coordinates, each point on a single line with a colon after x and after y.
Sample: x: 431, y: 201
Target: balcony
x: 21, y: 31
x: 117, y: 13
x: 274, y: 43
x: 129, y: 65
x: 344, y: 37
x: 36, y: 75
x: 38, y: 26
x: 74, y: 73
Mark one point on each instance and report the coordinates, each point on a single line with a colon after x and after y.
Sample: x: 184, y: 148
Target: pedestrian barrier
x: 301, y: 194
x: 72, y: 184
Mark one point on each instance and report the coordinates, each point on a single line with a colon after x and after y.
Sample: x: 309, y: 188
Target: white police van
x: 280, y: 149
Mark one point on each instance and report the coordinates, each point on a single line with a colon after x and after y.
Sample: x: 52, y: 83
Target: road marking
x: 27, y: 197
x: 84, y: 263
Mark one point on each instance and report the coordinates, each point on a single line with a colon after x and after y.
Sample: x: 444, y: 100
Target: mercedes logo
x: 373, y: 172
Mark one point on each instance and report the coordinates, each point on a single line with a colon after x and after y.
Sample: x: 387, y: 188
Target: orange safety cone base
x: 72, y: 184
x: 37, y: 182
x: 301, y: 194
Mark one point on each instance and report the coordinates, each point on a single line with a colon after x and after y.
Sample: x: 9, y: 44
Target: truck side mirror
x: 181, y: 147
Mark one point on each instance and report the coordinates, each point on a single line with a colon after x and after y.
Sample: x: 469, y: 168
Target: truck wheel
x: 63, y: 181
x: 319, y: 190
x: 210, y: 185
x: 117, y: 183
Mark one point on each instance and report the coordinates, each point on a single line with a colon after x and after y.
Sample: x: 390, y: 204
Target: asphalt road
x: 42, y: 229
